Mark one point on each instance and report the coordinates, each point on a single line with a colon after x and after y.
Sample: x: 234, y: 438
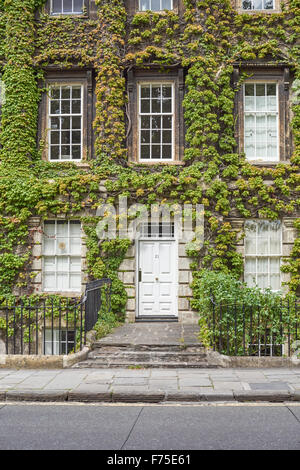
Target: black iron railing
x: 52, y: 325
x: 242, y: 329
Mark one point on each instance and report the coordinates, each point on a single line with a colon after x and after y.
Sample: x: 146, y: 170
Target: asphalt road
x: 128, y: 427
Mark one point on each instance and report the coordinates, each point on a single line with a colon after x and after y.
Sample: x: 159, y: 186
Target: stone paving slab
x: 165, y: 333
x: 131, y: 385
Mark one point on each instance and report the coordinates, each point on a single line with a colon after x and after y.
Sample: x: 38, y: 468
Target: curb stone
x: 296, y: 396
x: 138, y: 397
x: 184, y: 396
x: 149, y: 396
x: 220, y: 396
x: 37, y: 395
x: 95, y: 397
x: 263, y: 395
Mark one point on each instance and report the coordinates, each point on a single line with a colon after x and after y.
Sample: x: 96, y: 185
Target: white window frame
x: 59, y: 346
x: 57, y: 255
x: 69, y: 12
x: 258, y: 158
x: 259, y: 9
x: 268, y: 256
x: 49, y: 116
x: 172, y: 6
x: 172, y: 114
x: 157, y: 231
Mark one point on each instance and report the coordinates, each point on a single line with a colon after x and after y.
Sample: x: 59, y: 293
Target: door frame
x: 176, y: 275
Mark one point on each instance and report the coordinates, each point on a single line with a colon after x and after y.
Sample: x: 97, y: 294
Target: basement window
x: 266, y: 344
x: 58, y: 342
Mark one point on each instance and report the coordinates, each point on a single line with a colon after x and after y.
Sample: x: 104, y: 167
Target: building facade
x: 166, y: 102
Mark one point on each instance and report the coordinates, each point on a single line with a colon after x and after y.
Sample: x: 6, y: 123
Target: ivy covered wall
x: 208, y: 40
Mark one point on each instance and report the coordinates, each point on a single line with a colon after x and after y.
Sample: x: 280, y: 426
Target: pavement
x: 150, y: 385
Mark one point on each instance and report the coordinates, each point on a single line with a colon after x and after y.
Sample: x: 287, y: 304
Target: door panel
x: 157, y: 287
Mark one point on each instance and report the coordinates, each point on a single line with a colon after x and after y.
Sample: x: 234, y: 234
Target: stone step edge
x: 99, y: 345
x: 148, y: 396
x: 96, y: 355
x: 143, y: 365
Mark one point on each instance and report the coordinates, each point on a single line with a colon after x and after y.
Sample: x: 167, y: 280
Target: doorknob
x: 156, y: 279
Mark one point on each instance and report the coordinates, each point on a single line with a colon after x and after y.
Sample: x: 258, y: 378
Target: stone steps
x: 102, y: 348
x: 145, y: 355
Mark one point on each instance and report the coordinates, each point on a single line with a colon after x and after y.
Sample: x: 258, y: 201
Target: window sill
x: 159, y: 12
x: 66, y: 15
x: 268, y: 163
x: 259, y: 12
x: 70, y: 294
x: 157, y: 163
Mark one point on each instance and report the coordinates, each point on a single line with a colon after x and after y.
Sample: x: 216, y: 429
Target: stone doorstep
x: 125, y: 396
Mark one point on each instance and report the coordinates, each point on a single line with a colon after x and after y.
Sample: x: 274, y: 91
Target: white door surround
x: 157, y: 278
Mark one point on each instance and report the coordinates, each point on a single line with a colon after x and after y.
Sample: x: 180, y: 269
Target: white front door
x: 157, y: 278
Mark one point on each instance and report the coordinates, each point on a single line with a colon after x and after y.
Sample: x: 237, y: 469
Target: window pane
x: 145, y: 151
x: 55, y: 107
x: 144, y: 5
x: 55, y: 93
x: 56, y: 6
x: 54, y: 138
x: 76, y: 123
x: 49, y: 281
x: 65, y: 137
x: 269, y: 4
x: 156, y: 137
x: 155, y: 5
x: 78, y: 4
x: 75, y: 246
x: 156, y: 106
x: 76, y: 152
x: 145, y: 106
x: 156, y: 151
x: 65, y: 122
x: 65, y: 107
x: 145, y: 122
x: 167, y: 106
x: 156, y: 122
x: 67, y: 6
x: 54, y: 123
x: 76, y: 106
x: 167, y: 122
x: 63, y: 281
x: 257, y: 4
x: 167, y: 152
x: 166, y: 4
x: 167, y: 137
x: 65, y: 92
x: 145, y: 137
x: 76, y: 137
x: 54, y: 152
x: 247, y: 5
